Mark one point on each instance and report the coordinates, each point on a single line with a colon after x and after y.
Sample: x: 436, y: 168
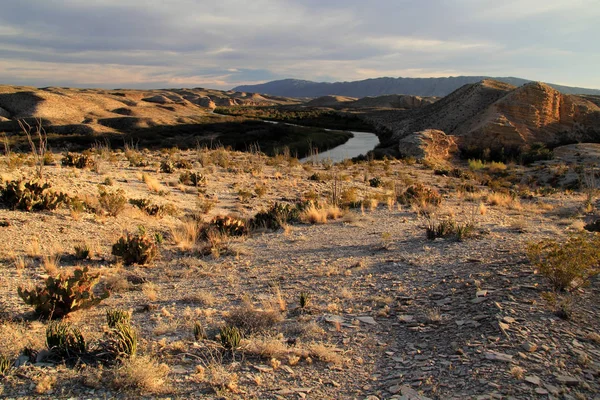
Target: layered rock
x: 429, y: 144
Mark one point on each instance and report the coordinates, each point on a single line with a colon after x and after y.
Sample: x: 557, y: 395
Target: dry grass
x: 150, y: 290
x: 267, y: 347
x: 17, y: 336
x: 250, y: 319
x: 51, y: 263
x: 218, y: 377
x: 204, y: 297
x: 314, y: 215
x: 186, y: 235
x: 517, y: 372
x: 152, y: 183
x: 327, y: 353
x: 143, y: 374
x: 594, y: 337
x: 33, y: 249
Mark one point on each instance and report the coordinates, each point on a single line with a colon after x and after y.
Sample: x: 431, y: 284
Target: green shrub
x: 78, y: 160
x: 167, y: 167
x: 135, y: 249
x: 117, y: 316
x: 6, y: 365
x: 62, y: 294
x: 229, y: 226
x: 276, y: 216
x: 82, y: 251
x: 568, y: 264
x: 31, y: 196
x: 64, y: 340
x: 153, y: 209
x: 449, y: 228
x: 192, y: 178
x: 230, y: 337
x: 375, y: 182
x: 113, y: 202
x: 122, y: 340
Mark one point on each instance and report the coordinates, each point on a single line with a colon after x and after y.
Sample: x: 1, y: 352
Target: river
x: 361, y: 143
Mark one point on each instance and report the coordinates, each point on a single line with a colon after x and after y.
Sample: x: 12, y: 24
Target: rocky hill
x: 384, y: 86
x: 65, y: 110
x: 496, y: 115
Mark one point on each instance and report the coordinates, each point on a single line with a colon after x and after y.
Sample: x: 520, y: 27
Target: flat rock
x: 567, y: 380
x: 534, y: 380
x: 367, y: 320
x: 495, y: 356
x: 529, y: 347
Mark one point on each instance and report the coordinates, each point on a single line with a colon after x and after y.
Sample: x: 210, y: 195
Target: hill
x: 500, y: 117
x: 383, y: 86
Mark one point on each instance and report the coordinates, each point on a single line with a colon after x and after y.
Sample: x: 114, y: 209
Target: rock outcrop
x: 393, y: 101
x: 429, y: 144
x: 331, y: 101
x: 498, y: 116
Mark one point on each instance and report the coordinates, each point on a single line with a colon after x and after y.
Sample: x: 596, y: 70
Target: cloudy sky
x: 224, y: 43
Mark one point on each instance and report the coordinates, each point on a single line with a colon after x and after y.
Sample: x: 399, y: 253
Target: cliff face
x: 532, y: 113
x: 496, y: 115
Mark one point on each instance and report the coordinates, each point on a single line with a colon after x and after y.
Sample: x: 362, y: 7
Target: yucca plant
x: 63, y: 294
x: 116, y: 316
x: 123, y: 341
x: 230, y: 337
x: 199, y: 331
x: 64, y: 340
x: 304, y: 299
x: 5, y: 365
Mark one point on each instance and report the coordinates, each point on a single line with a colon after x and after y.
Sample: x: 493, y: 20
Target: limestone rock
x: 429, y: 144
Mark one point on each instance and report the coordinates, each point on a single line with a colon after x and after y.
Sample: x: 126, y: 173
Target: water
x: 360, y: 144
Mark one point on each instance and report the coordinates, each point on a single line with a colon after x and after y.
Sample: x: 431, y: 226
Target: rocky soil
x: 398, y: 316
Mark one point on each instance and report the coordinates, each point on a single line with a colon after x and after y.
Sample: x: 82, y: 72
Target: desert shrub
x: 122, y: 340
x: 135, y: 158
x: 315, y: 177
x: 229, y: 226
x: 375, y: 182
x: 113, y: 202
x: 135, y: 249
x: 252, y: 320
x: 276, y: 216
x: 476, y: 165
x: 153, y: 209
x: 230, y: 337
x: 567, y: 264
x: 183, y: 164
x: 536, y: 152
x: 349, y: 198
x: 167, y: 167
x: 448, y: 228
x: 63, y: 294
x: 421, y: 195
x: 82, y: 251
x: 83, y: 160
x: 192, y: 178
x: 64, y: 340
x: 117, y: 316
x: 31, y: 196
x: 5, y: 365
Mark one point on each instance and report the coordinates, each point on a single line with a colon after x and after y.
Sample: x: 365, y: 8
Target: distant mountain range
x: 383, y: 86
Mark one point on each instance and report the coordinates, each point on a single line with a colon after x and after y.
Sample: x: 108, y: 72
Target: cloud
x: 221, y: 44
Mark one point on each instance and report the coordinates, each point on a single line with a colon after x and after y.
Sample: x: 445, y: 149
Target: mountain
x: 438, y: 87
x: 495, y: 115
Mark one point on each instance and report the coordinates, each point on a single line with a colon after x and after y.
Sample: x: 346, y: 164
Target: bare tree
x: 39, y: 151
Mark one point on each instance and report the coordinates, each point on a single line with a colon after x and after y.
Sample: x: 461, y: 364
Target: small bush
x: 151, y: 209
x: 31, y: 196
x: 78, y: 160
x: 6, y: 365
x: 199, y: 331
x: 229, y: 226
x: 167, y: 167
x: 476, y: 165
x: 113, y: 202
x: 251, y: 320
x: 82, y: 251
x: 63, y: 294
x: 275, y: 217
x: 420, y: 194
x: 230, y: 337
x: 192, y: 178
x: 115, y: 317
x: 567, y: 264
x: 375, y: 182
x: 64, y: 340
x: 135, y: 249
x: 449, y: 228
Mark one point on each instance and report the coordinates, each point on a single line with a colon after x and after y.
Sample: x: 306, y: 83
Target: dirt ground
x: 391, y: 314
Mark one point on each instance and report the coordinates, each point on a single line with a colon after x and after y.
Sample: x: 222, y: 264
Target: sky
x: 225, y: 43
